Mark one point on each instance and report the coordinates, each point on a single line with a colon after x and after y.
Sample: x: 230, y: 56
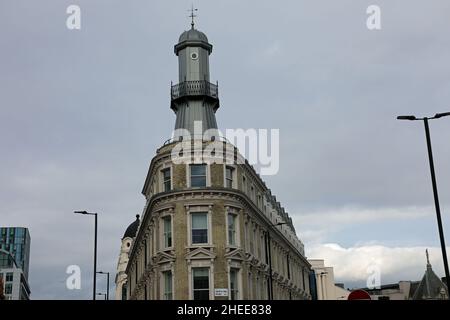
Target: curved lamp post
x: 433, y: 181
x: 95, y: 250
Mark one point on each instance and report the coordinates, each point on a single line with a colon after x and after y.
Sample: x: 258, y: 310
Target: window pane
x: 167, y: 232
x: 232, y: 279
x: 231, y: 229
x: 199, y: 236
x: 199, y: 181
x: 198, y: 170
x: 233, y: 284
x: 167, y: 285
x: 168, y: 281
x: 201, y: 283
x: 231, y: 221
x: 199, y: 228
x: 166, y: 179
x: 200, y: 272
x: 201, y: 280
x: 198, y: 175
x: 229, y: 173
x: 229, y: 177
x: 167, y: 224
x: 166, y: 174
x: 231, y: 237
x: 199, y: 221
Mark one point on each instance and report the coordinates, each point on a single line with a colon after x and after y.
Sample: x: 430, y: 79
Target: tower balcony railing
x: 194, y: 88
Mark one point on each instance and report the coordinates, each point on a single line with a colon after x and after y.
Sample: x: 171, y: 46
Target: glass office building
x: 15, y: 286
x: 17, y: 241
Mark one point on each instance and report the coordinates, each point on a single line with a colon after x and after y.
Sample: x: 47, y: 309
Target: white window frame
x: 196, y: 265
x: 188, y: 175
x: 162, y: 241
x: 204, y: 213
x: 233, y: 176
x: 161, y: 175
x: 199, y: 209
x: 237, y: 226
x: 239, y: 282
x: 166, y: 268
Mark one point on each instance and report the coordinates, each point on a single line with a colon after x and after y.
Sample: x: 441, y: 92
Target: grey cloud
x: 81, y: 113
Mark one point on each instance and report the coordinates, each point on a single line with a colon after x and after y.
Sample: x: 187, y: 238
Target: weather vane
x: 192, y: 15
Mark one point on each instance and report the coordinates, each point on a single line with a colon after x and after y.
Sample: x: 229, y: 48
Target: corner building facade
x: 210, y: 229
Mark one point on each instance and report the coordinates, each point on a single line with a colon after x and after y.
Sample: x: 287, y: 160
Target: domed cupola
x: 193, y: 35
x: 132, y: 229
x: 193, y: 38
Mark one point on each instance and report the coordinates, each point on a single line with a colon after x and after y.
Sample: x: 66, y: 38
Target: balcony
x: 194, y: 88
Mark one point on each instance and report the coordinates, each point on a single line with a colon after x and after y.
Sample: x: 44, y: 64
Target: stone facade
x: 211, y: 229
x: 241, y: 233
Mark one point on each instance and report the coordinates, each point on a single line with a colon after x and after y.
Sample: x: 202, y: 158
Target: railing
x: 217, y: 138
x: 194, y: 88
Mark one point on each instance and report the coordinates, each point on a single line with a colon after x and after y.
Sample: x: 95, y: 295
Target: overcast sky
x: 83, y: 111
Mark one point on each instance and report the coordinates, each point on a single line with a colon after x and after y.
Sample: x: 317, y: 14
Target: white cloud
x: 395, y: 263
x: 84, y: 141
x: 352, y: 215
x: 314, y: 226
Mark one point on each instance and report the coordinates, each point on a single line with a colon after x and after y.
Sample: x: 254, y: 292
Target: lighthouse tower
x: 194, y: 99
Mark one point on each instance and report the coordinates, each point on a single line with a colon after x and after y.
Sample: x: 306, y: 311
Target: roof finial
x: 428, y: 257
x: 192, y: 15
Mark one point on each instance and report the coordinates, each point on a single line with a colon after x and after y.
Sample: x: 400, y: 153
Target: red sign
x: 358, y: 295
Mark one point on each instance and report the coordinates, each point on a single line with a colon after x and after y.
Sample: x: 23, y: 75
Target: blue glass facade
x: 17, y: 242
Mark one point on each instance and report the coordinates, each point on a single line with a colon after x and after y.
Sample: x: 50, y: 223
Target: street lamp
x: 433, y: 181
x: 95, y: 250
x: 269, y: 254
x: 107, y: 283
